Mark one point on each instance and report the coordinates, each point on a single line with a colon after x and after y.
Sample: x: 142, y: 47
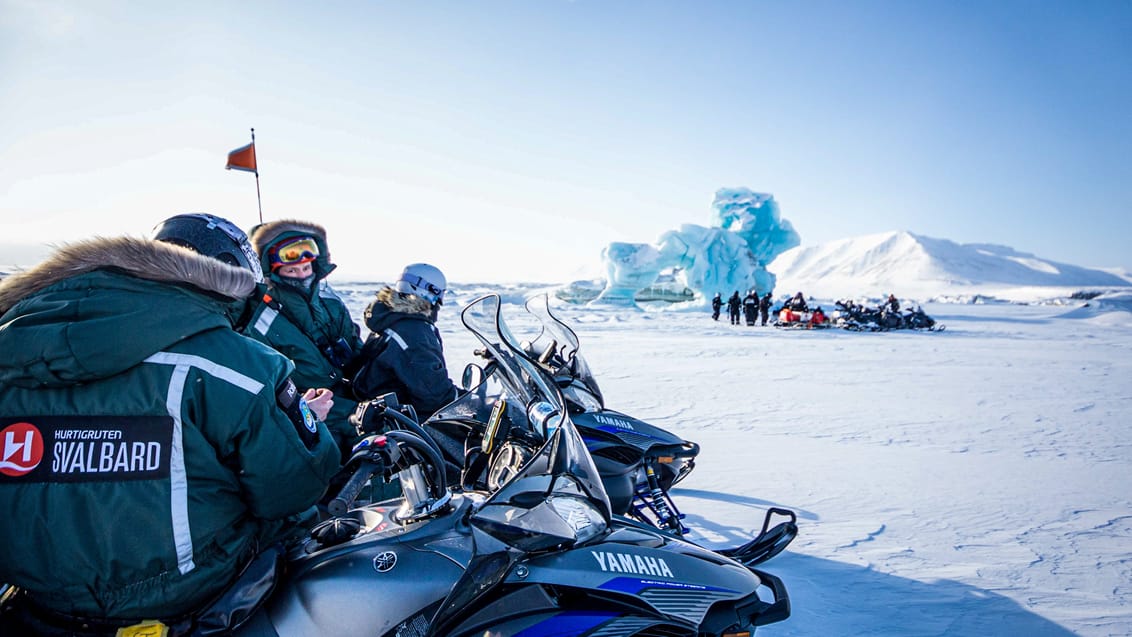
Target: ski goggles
x: 294, y: 252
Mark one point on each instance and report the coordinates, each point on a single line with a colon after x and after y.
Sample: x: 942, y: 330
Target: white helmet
x: 423, y: 280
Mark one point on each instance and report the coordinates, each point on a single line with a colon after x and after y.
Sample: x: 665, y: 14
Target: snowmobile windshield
x: 557, y: 497
x: 553, y: 330
x: 521, y: 376
x: 478, y: 402
x: 557, y: 347
x: 555, y: 501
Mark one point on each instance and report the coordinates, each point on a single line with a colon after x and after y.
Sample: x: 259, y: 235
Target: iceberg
x: 746, y: 234
x: 628, y: 267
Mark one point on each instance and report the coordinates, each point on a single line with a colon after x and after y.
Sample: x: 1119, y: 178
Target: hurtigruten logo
x: 85, y: 448
x: 21, y: 449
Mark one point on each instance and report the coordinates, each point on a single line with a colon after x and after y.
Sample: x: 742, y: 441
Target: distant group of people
x: 794, y: 310
x: 749, y: 307
x: 235, y: 369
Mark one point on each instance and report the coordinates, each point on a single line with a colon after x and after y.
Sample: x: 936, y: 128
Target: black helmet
x: 211, y: 236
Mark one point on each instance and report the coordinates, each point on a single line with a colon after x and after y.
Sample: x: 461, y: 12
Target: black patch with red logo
x: 85, y: 448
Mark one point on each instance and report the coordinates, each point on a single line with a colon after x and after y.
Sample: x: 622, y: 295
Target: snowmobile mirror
x: 472, y: 376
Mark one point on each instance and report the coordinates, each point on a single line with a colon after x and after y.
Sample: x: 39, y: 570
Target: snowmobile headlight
x: 578, y: 514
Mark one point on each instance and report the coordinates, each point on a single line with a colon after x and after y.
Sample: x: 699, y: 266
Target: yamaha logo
x: 611, y: 562
x: 21, y: 449
x: 613, y: 422
x: 385, y: 561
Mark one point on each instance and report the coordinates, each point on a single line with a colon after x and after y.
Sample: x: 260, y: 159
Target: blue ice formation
x: 747, y: 233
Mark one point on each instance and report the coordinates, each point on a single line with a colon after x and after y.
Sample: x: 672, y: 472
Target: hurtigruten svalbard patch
x: 618, y: 562
x: 85, y: 448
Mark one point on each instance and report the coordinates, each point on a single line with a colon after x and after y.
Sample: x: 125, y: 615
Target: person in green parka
x: 149, y: 451
x: 302, y: 317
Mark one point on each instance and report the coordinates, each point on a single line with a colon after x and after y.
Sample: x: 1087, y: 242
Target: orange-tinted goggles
x: 294, y: 252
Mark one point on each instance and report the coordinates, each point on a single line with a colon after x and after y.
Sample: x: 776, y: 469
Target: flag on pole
x: 243, y: 158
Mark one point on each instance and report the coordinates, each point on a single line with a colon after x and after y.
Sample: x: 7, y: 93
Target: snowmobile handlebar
x: 384, y: 414
x: 341, y: 503
x: 397, y: 450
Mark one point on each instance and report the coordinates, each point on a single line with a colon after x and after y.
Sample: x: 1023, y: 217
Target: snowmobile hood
x: 626, y: 428
x: 100, y: 307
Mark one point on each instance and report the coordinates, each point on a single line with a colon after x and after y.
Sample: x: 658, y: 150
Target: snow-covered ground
x: 975, y: 481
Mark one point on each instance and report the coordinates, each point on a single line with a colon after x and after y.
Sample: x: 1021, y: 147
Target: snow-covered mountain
x: 915, y: 266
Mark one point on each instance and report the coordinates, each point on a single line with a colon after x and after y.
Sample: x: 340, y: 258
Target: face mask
x: 303, y: 284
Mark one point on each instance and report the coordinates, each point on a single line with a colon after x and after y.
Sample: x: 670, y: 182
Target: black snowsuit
x: 751, y: 308
x: 405, y: 354
x: 733, y: 305
x: 764, y: 306
x: 716, y: 304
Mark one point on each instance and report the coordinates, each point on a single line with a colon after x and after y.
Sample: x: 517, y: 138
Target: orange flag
x: 243, y: 158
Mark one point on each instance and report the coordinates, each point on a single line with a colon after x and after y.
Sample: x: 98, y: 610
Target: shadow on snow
x: 828, y: 597
x: 835, y: 598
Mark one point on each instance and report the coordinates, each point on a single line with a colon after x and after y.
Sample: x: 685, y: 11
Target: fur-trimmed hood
x: 143, y: 258
x: 265, y: 235
x: 390, y: 304
x: 100, y: 307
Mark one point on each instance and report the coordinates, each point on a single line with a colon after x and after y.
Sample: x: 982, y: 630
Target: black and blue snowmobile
x: 483, y: 436
x: 540, y: 554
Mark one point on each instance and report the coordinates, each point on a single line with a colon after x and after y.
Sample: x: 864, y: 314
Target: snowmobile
x: 799, y: 319
x: 541, y: 554
x: 855, y: 317
x: 917, y: 319
x: 483, y: 436
x: 638, y: 462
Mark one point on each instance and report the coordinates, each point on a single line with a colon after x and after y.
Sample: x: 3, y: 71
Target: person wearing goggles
x: 404, y: 353
x: 300, y: 315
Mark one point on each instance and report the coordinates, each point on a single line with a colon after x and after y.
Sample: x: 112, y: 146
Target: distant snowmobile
x: 799, y: 319
x: 851, y: 316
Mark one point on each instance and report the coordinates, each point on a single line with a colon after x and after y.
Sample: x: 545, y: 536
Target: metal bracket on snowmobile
x: 769, y: 542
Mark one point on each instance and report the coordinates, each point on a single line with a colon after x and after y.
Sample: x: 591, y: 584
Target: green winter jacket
x: 311, y: 327
x: 145, y: 455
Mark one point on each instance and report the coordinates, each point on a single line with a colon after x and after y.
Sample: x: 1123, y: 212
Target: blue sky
x: 513, y: 140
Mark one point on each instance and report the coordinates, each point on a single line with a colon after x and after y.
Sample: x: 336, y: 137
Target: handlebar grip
x: 341, y: 503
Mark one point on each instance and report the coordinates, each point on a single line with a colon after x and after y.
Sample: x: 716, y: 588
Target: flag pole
x: 258, y: 201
